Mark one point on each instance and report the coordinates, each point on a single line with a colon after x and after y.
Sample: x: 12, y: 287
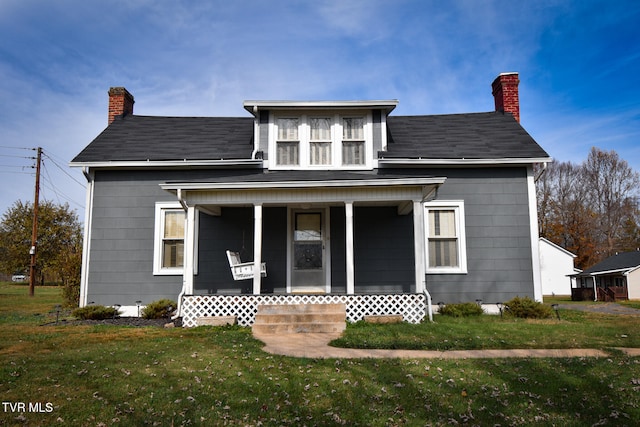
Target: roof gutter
x: 382, y: 162
x: 619, y: 270
x: 169, y: 163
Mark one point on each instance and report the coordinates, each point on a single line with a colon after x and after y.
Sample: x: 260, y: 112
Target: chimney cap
x: 119, y: 90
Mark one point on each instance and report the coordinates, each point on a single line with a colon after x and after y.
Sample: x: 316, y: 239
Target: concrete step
x: 299, y: 318
x: 297, y: 328
x: 301, y: 308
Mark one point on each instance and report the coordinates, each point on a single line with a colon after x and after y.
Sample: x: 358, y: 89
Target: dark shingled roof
x: 141, y: 138
x: 621, y: 261
x: 490, y: 135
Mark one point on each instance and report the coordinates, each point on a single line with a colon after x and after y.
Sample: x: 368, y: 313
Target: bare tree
x: 591, y: 209
x: 612, y: 189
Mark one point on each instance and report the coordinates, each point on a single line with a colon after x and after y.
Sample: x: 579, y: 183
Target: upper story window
x: 322, y: 141
x: 353, y: 143
x: 288, y: 141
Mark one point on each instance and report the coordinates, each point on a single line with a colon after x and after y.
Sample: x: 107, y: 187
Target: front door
x: 308, y: 255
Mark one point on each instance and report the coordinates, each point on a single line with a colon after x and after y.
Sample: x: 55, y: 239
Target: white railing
x: 412, y: 307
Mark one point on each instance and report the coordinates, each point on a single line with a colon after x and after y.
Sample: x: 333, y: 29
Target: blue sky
x: 579, y: 65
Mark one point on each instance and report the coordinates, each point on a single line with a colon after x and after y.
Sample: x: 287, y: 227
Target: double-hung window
x: 445, y: 237
x: 169, y: 239
x: 353, y: 144
x: 320, y: 140
x: 288, y: 141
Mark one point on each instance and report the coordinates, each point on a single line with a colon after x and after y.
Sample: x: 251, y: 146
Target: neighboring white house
x: 556, y: 268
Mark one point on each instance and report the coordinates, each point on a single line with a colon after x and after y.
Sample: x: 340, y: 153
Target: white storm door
x: 308, y: 254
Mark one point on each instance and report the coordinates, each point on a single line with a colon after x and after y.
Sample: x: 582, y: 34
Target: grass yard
x: 576, y: 329
x: 122, y: 376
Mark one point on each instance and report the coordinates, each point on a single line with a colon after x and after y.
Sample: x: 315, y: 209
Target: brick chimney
x: 120, y: 103
x: 505, y: 94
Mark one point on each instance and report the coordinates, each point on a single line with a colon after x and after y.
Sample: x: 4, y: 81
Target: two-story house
x: 341, y: 200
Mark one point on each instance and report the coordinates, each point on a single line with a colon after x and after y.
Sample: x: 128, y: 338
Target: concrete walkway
x: 316, y: 346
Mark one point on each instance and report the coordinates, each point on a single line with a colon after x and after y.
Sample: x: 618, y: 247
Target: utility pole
x: 34, y: 231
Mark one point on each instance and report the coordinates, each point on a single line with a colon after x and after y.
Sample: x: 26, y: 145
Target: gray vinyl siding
x: 121, y: 259
x: 498, y: 239
x: 263, y: 135
x: 338, y: 250
x: 377, y: 130
x: 384, y: 259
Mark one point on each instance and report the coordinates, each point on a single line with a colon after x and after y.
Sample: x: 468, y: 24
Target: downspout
x: 184, y: 282
x: 86, y: 242
x: 595, y: 289
x: 256, y: 132
x: 429, y: 305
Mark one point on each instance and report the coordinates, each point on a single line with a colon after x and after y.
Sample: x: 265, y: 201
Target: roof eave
x: 382, y: 162
x: 600, y: 273
x: 169, y: 163
x: 253, y: 106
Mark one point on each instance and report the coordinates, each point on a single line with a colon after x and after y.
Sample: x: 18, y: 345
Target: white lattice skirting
x: 412, y: 306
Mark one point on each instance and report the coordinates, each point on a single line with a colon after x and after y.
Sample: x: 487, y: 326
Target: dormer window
x: 353, y: 143
x: 322, y: 141
x: 288, y: 142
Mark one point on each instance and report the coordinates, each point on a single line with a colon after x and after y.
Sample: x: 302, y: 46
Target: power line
x: 16, y: 166
x: 17, y: 157
x: 64, y: 171
x: 57, y: 191
x: 18, y: 148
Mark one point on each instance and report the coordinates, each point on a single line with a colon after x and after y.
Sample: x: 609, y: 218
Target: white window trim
x: 158, y: 270
x: 458, y: 207
x: 336, y: 143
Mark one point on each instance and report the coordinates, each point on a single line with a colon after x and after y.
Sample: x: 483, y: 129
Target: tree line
x: 590, y: 208
x: 59, y: 253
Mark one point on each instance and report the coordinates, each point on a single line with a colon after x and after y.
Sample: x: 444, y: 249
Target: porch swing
x: 243, y: 270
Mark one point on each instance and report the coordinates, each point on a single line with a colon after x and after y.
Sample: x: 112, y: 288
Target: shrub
x: 526, y: 308
x: 95, y: 312
x: 71, y: 293
x: 159, y: 309
x: 464, y: 309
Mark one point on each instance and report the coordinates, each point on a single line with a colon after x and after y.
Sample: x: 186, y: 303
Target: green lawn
x: 576, y: 329
x: 106, y: 375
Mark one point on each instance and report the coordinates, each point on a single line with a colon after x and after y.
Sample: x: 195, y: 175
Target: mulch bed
x: 136, y: 322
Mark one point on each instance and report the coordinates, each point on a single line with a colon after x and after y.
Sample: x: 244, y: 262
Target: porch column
x: 257, y: 248
x: 418, y: 245
x: 348, y: 209
x: 189, y: 251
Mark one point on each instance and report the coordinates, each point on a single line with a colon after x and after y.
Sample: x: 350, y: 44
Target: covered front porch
x: 608, y: 287
x: 358, y: 241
